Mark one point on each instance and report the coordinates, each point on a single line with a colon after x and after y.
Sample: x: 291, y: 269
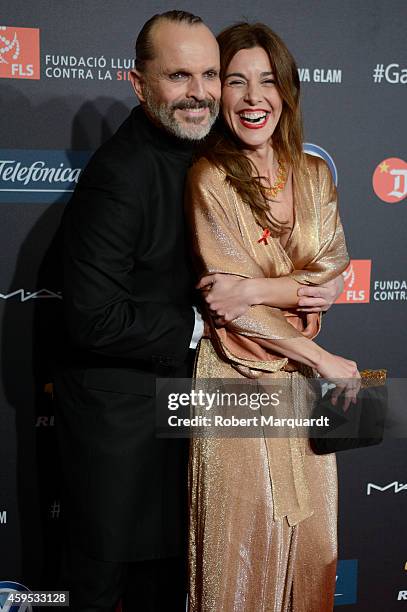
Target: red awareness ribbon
x: 266, y: 234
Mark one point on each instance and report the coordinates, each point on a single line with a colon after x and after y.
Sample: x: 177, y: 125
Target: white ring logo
x: 7, y: 587
x: 317, y: 151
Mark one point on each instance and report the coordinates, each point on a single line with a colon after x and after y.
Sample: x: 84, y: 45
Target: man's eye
x: 178, y: 76
x: 211, y: 74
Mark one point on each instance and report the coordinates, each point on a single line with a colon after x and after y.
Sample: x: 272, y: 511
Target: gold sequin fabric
x: 262, y: 510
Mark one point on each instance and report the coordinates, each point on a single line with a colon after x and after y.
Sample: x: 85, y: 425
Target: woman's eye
x: 235, y: 82
x: 269, y: 82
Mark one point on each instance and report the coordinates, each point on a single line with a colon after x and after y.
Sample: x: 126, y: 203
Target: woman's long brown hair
x: 224, y: 150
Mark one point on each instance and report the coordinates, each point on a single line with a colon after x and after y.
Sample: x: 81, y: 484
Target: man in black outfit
x: 129, y: 318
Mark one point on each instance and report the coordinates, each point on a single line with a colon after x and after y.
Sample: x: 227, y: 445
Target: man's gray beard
x: 164, y: 115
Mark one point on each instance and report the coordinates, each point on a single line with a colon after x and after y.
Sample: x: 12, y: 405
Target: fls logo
x: 356, y: 282
x: 19, y: 53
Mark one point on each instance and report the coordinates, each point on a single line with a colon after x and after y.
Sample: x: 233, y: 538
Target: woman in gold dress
x: 263, y: 511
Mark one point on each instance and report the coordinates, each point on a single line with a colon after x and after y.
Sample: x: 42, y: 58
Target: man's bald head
x: 144, y: 44
x: 177, y: 73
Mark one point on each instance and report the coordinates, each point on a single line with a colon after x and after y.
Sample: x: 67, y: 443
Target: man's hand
x: 225, y: 295
x: 321, y: 297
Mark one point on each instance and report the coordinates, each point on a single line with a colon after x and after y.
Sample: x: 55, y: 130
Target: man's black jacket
x: 127, y: 300
x: 127, y: 287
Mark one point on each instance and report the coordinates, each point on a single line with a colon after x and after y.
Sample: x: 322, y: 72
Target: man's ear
x: 136, y: 79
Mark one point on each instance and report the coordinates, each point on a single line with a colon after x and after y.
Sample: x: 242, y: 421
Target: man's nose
x: 196, y: 89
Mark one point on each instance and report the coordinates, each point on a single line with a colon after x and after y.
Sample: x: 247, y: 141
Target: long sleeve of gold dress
x: 263, y: 510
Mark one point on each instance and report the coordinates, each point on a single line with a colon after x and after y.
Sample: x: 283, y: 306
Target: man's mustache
x: 190, y: 105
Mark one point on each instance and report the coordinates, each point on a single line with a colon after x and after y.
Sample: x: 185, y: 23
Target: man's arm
x: 103, y: 308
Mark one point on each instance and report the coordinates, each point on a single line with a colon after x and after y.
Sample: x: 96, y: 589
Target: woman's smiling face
x: 251, y: 103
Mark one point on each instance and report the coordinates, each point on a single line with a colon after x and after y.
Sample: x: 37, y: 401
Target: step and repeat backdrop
x: 64, y: 89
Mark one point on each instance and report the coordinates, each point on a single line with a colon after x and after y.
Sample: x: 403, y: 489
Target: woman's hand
x: 229, y: 296
x: 226, y: 295
x: 344, y: 373
x: 321, y: 297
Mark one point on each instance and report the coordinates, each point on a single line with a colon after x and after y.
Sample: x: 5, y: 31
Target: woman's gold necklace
x: 279, y: 183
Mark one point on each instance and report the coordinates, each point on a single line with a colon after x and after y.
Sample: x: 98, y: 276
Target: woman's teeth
x: 253, y: 117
